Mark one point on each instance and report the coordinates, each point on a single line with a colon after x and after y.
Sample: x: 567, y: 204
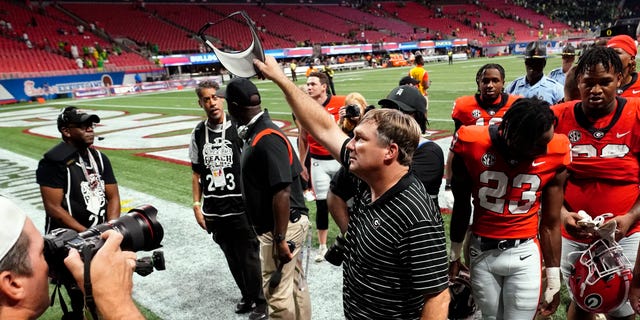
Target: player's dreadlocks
x: 487, y: 67
x: 526, y: 121
x: 598, y: 55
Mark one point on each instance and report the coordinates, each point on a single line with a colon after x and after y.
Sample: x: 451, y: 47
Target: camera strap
x: 88, y: 291
x: 63, y: 305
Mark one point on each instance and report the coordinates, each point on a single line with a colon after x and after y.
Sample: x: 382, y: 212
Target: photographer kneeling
x: 24, y: 287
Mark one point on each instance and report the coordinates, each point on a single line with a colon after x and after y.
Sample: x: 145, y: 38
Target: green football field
x: 172, y: 181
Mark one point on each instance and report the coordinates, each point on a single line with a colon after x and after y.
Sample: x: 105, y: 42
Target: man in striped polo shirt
x: 395, y: 262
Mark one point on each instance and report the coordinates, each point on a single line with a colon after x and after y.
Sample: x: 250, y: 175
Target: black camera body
x: 139, y: 228
x: 335, y: 254
x: 352, y: 111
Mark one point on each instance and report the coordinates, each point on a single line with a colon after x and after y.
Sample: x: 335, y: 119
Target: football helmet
x: 462, y: 304
x: 601, y: 276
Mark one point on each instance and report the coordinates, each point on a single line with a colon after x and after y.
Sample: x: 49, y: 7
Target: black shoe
x: 259, y: 313
x: 244, y: 306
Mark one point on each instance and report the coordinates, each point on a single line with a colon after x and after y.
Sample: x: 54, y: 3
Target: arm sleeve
x: 275, y: 155
x: 426, y: 256
x: 343, y: 185
x: 107, y: 175
x: 51, y: 174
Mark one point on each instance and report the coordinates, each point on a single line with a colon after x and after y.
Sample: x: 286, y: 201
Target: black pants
x: 242, y: 251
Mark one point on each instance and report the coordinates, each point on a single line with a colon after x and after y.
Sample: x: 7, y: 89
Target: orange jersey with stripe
x: 506, y: 194
x: 468, y: 111
x: 604, y: 174
x: 332, y: 106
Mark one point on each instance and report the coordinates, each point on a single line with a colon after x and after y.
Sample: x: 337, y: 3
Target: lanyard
x: 93, y: 184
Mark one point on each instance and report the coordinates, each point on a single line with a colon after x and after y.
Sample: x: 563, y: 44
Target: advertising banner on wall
x: 26, y: 89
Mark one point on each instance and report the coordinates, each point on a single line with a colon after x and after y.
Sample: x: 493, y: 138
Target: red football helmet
x: 601, y: 277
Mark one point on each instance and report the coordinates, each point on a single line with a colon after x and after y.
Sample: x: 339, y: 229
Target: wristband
x: 196, y: 203
x: 553, y: 283
x: 456, y: 250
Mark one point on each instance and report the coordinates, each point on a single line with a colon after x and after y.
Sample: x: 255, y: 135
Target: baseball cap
x: 535, y: 49
x: 569, y: 50
x: 405, y: 98
x: 240, y: 92
x: 13, y: 219
x: 408, y: 81
x: 74, y: 115
x: 625, y: 43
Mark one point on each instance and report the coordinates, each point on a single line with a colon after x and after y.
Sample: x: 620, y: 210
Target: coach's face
x: 212, y: 105
x: 366, y: 153
x: 598, y: 89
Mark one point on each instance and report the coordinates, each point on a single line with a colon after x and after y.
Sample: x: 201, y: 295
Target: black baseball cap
x: 405, y: 98
x: 535, y: 50
x: 407, y: 80
x: 240, y: 92
x: 73, y: 115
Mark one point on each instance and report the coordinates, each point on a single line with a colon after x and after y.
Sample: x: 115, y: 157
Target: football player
x: 483, y: 108
x: 515, y: 170
x: 603, y: 177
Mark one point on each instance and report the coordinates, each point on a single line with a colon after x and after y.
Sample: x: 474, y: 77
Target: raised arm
x: 310, y: 114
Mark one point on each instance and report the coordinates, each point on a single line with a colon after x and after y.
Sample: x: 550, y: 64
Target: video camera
x: 140, y: 231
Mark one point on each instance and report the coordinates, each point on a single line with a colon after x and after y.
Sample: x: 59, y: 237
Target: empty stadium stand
x: 144, y: 29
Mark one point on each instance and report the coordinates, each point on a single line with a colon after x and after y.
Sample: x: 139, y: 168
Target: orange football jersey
x: 506, y: 194
x: 604, y: 174
x: 468, y: 111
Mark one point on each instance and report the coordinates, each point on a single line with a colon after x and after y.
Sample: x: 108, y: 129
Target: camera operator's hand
x: 282, y: 250
x: 111, y: 278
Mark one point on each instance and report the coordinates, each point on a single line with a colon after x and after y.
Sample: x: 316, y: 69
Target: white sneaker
x: 320, y: 254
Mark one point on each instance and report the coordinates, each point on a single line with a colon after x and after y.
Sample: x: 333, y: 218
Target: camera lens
x: 139, y: 228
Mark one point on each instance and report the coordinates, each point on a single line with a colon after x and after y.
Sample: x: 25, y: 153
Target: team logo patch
x: 574, y: 136
x: 593, y: 301
x: 376, y: 223
x: 488, y: 159
x: 476, y: 114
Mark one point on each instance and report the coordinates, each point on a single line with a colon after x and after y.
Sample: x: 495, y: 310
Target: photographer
x: 77, y: 184
x: 24, y: 290
x: 350, y: 114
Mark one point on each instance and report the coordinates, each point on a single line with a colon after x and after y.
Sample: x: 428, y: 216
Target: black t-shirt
x: 269, y: 166
x: 222, y: 196
x: 428, y: 166
x: 61, y: 168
